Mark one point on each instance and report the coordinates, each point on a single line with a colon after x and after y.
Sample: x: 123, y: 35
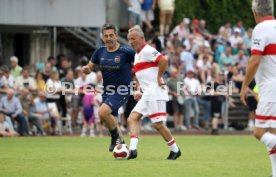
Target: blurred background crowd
x: 197, y: 58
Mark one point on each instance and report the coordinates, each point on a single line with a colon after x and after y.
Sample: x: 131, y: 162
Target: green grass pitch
x: 202, y: 156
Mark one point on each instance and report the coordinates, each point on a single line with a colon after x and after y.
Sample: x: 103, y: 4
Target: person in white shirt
x: 262, y: 65
x: 149, y: 67
x: 5, y: 129
x: 25, y: 81
x: 191, y: 90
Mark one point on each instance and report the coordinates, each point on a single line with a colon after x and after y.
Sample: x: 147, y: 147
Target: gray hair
x: 263, y: 7
x: 14, y: 58
x: 138, y: 29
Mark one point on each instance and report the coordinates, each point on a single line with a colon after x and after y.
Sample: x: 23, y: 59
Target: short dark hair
x: 109, y: 26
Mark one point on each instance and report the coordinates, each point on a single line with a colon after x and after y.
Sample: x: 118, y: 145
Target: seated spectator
x: 204, y: 67
x: 241, y: 59
x: 41, y: 110
x: 25, y: 81
x: 5, y: 129
x: 8, y: 77
x: 236, y: 38
x: 3, y: 83
x: 11, y: 106
x: 26, y: 101
x: 40, y: 83
x: 15, y: 68
x: 226, y: 59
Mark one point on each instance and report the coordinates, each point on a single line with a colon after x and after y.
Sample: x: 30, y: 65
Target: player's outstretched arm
x: 88, y: 68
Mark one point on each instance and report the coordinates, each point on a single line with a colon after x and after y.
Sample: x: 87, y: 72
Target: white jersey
x: 264, y: 43
x: 146, y: 71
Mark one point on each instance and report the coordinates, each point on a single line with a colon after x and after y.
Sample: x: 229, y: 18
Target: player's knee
x: 158, y: 125
x: 258, y: 134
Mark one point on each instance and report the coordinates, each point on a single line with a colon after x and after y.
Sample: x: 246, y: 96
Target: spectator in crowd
x: 225, y: 31
x: 47, y: 72
x: 11, y: 106
x: 15, y: 68
x: 63, y: 65
x: 182, y: 30
x: 217, y: 99
x: 40, y: 83
x: 53, y: 89
x: 134, y: 10
x: 88, y: 114
x: 26, y: 102
x: 5, y: 129
x: 25, y: 81
x: 147, y: 14
x: 239, y: 25
x: 52, y: 62
x: 241, y: 60
x: 186, y: 59
x: 236, y: 38
x: 247, y: 39
x: 226, y: 59
x: 203, y: 31
x: 3, y: 83
x: 177, y: 99
x: 166, y: 8
x: 192, y: 89
x: 8, y: 77
x: 44, y: 113
x: 204, y: 67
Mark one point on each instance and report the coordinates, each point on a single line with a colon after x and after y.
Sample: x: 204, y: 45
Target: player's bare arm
x: 162, y: 65
x: 250, y: 72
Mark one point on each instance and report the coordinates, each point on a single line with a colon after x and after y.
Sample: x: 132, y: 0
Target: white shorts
x: 266, y: 115
x: 155, y: 110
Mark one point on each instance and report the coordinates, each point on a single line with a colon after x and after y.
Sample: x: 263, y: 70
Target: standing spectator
x: 147, y: 14
x: 15, y: 68
x: 167, y: 8
x: 217, y: 100
x: 47, y: 72
x: 88, y: 114
x: 11, y: 106
x: 177, y: 99
x: 53, y: 88
x: 52, y: 62
x: 134, y: 10
x: 192, y: 90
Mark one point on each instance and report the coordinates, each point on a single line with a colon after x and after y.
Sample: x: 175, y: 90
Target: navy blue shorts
x: 115, y: 101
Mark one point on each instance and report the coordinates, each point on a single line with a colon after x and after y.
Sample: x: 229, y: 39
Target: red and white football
x: 121, y: 152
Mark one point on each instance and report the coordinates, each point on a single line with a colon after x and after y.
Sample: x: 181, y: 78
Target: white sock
x: 133, y: 142
x: 84, y: 130
x: 269, y: 140
x: 173, y: 146
x: 272, y: 156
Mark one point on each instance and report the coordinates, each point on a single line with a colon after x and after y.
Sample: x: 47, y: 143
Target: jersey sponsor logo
x: 155, y: 53
x: 117, y: 59
x: 256, y: 42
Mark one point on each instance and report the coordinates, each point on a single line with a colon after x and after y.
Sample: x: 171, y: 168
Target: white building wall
x: 81, y: 13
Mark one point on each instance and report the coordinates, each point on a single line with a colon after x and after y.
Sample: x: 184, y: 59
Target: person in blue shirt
x: 115, y: 61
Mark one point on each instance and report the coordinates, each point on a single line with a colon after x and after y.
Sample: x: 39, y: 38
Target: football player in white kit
x: 262, y: 65
x: 149, y: 67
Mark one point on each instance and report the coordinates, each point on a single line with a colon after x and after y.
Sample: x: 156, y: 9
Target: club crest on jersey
x: 117, y: 59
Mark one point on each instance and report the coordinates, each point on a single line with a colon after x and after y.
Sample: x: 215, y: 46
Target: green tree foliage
x: 215, y: 12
